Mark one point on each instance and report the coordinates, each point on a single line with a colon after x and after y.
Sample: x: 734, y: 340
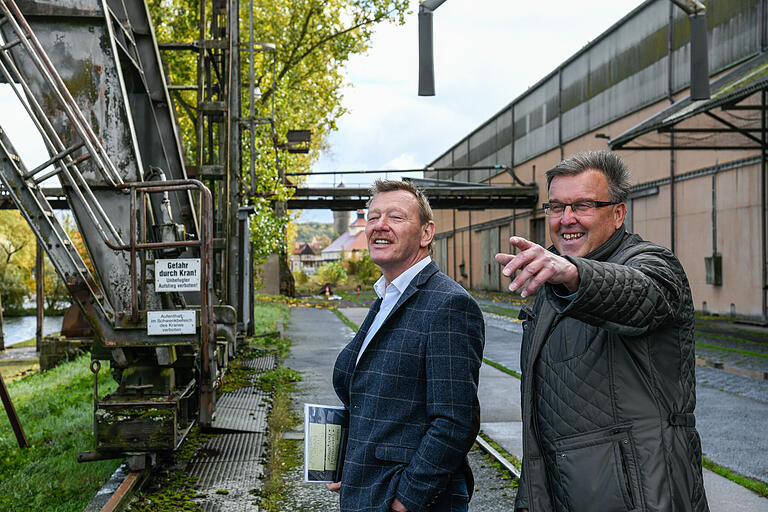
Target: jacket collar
x: 417, y: 282
x: 607, y: 248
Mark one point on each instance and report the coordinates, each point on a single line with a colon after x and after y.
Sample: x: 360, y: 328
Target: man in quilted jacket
x: 608, y: 385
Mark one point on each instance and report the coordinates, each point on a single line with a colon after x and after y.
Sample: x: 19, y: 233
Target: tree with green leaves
x: 314, y: 40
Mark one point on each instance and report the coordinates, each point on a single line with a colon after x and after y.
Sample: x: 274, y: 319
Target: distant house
x: 350, y: 242
x: 306, y: 257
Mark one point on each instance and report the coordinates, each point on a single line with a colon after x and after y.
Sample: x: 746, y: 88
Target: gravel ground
x: 493, y: 493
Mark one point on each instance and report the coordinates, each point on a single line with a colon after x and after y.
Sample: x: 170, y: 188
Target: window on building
x: 538, y: 231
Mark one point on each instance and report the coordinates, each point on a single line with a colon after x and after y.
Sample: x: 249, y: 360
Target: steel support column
x: 763, y: 165
x: 40, y: 294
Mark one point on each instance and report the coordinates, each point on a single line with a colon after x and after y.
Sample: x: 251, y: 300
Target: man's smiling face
x: 396, y: 237
x: 579, y: 235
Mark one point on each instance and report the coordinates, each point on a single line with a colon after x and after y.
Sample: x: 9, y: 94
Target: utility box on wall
x: 714, y: 269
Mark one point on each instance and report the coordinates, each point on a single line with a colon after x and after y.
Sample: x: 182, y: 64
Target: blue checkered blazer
x: 412, y: 398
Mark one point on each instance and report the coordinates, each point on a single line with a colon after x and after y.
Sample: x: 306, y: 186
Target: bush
x: 332, y: 272
x: 367, y: 271
x: 300, y: 277
x: 13, y: 289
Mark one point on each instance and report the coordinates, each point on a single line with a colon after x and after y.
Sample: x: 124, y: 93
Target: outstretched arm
x: 537, y: 266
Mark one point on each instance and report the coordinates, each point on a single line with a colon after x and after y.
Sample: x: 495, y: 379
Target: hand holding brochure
x: 325, y: 441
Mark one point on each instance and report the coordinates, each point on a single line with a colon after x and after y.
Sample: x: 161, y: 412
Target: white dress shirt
x: 389, y: 297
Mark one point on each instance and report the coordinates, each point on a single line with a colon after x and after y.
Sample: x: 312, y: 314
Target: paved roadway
x: 317, y: 337
x: 731, y: 415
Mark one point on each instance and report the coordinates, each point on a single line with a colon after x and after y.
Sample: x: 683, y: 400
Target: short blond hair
x: 425, y: 211
x: 379, y: 186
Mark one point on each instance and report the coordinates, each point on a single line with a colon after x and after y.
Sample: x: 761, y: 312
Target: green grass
x: 284, y: 456
x: 496, y: 464
x: 267, y: 313
x: 734, y: 350
x: 10, y: 369
x: 511, y: 311
x: 752, y: 484
x: 502, y: 368
x: 730, y: 338
x: 56, y: 412
x: 31, y: 342
x: 346, y: 320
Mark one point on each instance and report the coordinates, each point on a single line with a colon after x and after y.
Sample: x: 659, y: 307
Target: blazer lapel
x: 354, y: 346
x: 417, y: 282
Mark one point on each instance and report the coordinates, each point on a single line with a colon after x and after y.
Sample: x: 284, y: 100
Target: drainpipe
x: 670, y: 95
x: 763, y: 165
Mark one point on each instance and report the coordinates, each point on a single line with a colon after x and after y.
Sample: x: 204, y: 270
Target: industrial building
x: 698, y: 171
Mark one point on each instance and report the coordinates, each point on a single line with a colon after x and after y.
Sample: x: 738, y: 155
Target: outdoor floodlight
x: 699, y: 57
x: 426, y: 48
x: 697, y: 22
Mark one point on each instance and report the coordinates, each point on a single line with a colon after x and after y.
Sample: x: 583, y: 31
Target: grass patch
x: 730, y: 338
x: 174, y: 490
x: 352, y: 325
x: 734, y: 350
x: 496, y: 464
x: 502, y: 368
x: 510, y: 312
x: 752, y: 484
x: 268, y: 311
x: 31, y: 342
x: 13, y: 369
x: 56, y: 411
x: 283, y: 455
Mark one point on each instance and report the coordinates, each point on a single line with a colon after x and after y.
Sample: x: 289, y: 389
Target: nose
x: 377, y: 224
x: 568, y: 216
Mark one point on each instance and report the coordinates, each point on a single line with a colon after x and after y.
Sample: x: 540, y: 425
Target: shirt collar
x: 402, y: 281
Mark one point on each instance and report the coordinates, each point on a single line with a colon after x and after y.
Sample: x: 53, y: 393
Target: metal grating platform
x: 227, y: 468
x: 263, y: 364
x: 229, y: 465
x: 243, y: 410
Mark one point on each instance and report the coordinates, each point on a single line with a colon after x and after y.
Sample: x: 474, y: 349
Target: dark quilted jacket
x: 609, y: 387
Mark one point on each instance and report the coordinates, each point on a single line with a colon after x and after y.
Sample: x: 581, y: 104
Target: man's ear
x: 427, y: 233
x: 619, y: 214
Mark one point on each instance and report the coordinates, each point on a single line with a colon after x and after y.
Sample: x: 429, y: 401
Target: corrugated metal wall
x: 623, y: 70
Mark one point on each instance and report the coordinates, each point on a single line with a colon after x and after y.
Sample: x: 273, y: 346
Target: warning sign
x: 170, y: 322
x: 180, y: 275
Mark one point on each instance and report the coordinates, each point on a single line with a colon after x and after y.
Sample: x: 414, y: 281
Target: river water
x: 21, y: 328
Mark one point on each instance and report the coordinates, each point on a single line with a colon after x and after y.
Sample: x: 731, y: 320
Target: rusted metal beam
x: 40, y: 294
x: 13, y: 418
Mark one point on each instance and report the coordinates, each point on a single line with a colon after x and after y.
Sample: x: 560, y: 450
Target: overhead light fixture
x: 426, y: 48
x: 697, y: 21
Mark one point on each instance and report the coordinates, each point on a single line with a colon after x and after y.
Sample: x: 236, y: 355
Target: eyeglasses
x: 578, y: 208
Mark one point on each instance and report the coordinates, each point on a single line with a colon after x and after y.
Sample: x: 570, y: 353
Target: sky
x: 487, y: 52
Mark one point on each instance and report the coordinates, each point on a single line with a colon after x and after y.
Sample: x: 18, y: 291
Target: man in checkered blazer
x: 409, y: 377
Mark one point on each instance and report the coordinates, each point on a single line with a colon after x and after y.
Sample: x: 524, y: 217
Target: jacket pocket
x: 598, y: 470
x: 393, y: 453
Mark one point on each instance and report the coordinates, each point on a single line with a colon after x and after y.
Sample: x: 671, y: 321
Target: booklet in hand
x: 325, y: 442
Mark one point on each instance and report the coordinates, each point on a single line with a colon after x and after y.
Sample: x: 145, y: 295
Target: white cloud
x: 486, y: 54
x: 20, y: 130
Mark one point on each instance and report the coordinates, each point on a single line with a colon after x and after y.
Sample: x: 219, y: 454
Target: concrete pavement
x: 317, y: 337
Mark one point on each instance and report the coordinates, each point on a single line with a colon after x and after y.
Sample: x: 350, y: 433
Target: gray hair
x: 607, y: 162
x: 379, y: 186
